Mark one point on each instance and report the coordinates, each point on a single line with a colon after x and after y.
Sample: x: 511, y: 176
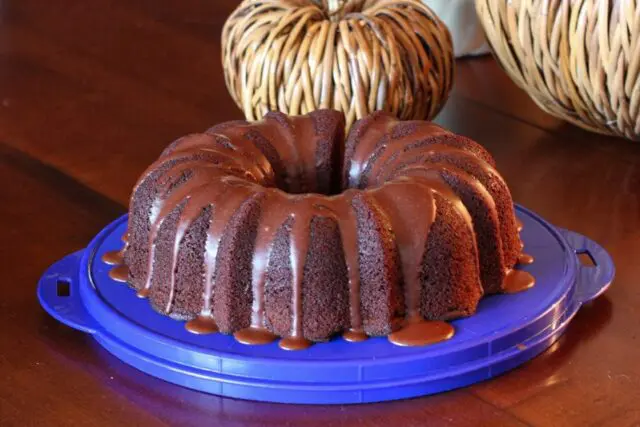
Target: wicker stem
x: 334, y: 6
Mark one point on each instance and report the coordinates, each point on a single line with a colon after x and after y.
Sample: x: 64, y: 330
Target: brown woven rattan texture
x: 578, y: 59
x: 356, y: 56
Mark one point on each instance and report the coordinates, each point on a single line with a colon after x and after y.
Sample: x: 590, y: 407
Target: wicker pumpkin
x: 356, y: 56
x: 579, y: 60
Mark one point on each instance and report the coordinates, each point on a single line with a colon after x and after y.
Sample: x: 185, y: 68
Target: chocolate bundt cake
x: 278, y: 228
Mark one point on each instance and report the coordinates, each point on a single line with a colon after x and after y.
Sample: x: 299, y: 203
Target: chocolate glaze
x: 390, y: 148
x: 517, y: 281
x: 255, y: 336
x: 202, y: 325
x: 525, y: 259
x: 294, y: 343
x: 119, y: 273
x: 353, y: 335
x: 224, y: 171
x: 418, y: 332
x: 113, y: 257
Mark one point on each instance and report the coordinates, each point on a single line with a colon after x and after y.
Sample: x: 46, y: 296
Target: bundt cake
x: 279, y: 228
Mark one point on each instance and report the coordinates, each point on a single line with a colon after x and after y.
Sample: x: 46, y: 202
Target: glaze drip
x: 299, y: 246
x: 418, y: 332
x: 214, y: 174
x: 119, y: 273
x: 518, y: 281
x: 294, y: 343
x: 255, y: 336
x: 113, y: 257
x: 202, y: 325
x: 525, y: 259
x: 406, y: 200
x: 353, y: 335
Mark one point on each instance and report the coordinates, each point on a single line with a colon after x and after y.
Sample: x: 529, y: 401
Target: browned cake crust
x: 280, y: 227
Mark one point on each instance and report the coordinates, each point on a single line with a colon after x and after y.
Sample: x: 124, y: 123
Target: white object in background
x: 461, y: 19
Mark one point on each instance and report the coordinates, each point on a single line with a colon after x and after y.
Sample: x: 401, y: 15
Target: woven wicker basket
x: 356, y: 56
x: 578, y: 59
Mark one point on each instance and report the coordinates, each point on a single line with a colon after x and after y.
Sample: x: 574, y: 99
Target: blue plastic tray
x: 506, y: 331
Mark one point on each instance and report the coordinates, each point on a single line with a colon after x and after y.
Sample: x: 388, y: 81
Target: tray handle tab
x: 59, y: 294
x: 593, y: 280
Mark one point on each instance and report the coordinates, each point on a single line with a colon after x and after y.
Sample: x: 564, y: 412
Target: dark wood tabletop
x: 90, y: 93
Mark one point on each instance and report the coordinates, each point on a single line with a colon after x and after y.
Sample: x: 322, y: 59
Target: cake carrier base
x: 506, y: 331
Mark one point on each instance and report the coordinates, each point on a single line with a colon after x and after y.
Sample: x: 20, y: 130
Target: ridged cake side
x: 277, y: 228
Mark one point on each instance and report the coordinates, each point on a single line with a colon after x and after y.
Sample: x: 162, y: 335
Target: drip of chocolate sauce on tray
x: 119, y: 273
x: 525, y: 259
x: 202, y: 325
x: 408, y: 196
x: 353, y: 335
x: 419, y: 332
x: 294, y: 343
x: 113, y: 257
x: 517, y: 281
x: 256, y: 336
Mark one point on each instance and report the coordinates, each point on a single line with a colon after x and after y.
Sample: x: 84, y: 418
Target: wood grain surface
x: 90, y: 93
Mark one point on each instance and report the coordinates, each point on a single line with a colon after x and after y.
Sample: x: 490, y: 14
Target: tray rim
x: 570, y: 275
x: 463, y: 372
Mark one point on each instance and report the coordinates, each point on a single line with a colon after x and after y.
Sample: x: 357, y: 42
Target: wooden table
x: 91, y: 91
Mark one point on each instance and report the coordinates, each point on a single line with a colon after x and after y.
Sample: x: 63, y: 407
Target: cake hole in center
x: 324, y: 180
